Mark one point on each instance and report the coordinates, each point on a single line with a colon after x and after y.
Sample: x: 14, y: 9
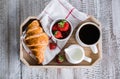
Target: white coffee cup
x: 75, y: 54
x: 92, y: 45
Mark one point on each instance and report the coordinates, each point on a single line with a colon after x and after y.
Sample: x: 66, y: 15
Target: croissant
x: 36, y: 40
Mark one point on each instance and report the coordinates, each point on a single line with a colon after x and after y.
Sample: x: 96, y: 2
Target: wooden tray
x: 26, y: 59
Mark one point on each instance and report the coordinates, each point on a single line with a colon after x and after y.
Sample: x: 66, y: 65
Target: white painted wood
x: 13, y: 38
x: 13, y: 12
x: 3, y: 40
x: 65, y: 73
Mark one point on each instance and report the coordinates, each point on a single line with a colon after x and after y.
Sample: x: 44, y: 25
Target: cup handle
x: 88, y: 59
x: 94, y: 49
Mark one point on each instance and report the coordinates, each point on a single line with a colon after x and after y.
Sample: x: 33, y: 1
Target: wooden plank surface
x: 13, y: 13
x: 3, y: 40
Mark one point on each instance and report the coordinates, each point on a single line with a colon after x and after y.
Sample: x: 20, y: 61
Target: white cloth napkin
x: 54, y: 10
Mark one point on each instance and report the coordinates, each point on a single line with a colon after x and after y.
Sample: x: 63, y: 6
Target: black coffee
x: 89, y: 34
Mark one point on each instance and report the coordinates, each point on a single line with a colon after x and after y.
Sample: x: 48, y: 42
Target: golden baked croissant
x: 36, y: 40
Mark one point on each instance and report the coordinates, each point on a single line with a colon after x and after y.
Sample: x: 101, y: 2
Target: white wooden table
x: 13, y: 13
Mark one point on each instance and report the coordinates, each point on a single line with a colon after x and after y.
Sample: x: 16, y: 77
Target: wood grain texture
x: 13, y: 36
x: 13, y: 13
x: 3, y: 40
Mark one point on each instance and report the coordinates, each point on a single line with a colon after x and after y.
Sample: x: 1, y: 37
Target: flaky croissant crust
x: 36, y: 40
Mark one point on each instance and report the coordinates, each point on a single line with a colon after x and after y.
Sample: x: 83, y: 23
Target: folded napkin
x: 54, y: 10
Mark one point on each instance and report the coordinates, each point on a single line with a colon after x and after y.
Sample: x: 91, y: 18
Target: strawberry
x: 60, y: 58
x: 52, y: 46
x: 63, y: 25
x: 55, y: 27
x: 58, y: 34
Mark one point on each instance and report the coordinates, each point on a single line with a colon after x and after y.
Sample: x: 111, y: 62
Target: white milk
x: 76, y: 54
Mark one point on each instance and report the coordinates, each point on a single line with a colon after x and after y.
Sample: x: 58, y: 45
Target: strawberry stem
x: 61, y: 23
x: 61, y: 58
x: 55, y: 32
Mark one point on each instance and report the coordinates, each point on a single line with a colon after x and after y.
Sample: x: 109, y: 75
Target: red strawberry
x: 55, y: 27
x: 60, y: 58
x: 58, y: 34
x: 52, y: 46
x: 63, y: 25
